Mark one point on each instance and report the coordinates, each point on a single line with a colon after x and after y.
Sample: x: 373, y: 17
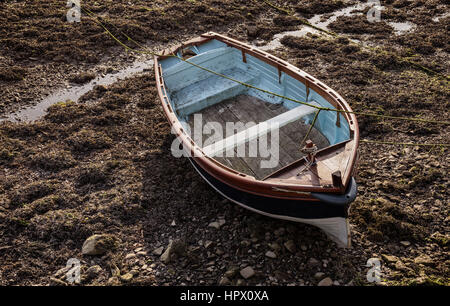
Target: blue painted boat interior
x: 191, y: 89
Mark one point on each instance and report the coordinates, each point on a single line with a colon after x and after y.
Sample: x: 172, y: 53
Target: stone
x: 217, y: 224
x: 325, y: 282
x: 207, y: 244
x: 405, y: 243
x: 313, y: 262
x: 130, y: 256
x: 271, y: 254
x: 214, y: 224
x: 303, y: 247
x: 158, y: 251
x: 224, y: 281
x: 126, y: 277
x: 99, y: 244
x: 113, y: 281
x: 290, y: 246
x: 175, y: 247
x: 400, y: 266
x: 389, y: 258
x: 423, y: 260
x: 319, y: 275
x: 247, y: 272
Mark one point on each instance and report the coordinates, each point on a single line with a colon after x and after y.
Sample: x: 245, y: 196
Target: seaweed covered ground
x: 102, y: 165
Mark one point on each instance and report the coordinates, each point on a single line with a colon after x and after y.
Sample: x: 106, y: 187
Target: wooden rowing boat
x: 215, y: 84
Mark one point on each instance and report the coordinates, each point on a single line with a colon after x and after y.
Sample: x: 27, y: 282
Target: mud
x: 101, y: 164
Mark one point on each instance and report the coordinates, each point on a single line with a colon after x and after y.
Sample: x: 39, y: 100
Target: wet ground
x: 102, y: 164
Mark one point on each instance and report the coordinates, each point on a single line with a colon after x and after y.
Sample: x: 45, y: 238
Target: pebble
x: 389, y: 258
x: 325, y: 282
x: 175, y: 247
x: 319, y: 275
x: 313, y: 262
x: 247, y: 272
x: 405, y: 243
x: 158, y: 251
x: 423, y: 260
x: 98, y: 244
x: 290, y: 246
x: 271, y: 254
x: 224, y: 281
x: 130, y: 256
x: 126, y: 277
x: 217, y: 224
x: 207, y: 243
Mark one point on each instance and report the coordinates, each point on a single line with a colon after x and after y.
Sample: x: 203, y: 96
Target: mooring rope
x: 319, y: 108
x: 405, y: 143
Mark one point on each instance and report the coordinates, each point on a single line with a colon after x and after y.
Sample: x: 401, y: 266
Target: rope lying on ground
x: 406, y: 143
x: 402, y: 59
x: 319, y: 108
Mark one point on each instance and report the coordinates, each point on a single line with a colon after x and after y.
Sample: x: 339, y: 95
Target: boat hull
x: 330, y: 217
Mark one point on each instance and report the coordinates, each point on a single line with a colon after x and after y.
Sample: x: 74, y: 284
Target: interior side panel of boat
x: 220, y: 100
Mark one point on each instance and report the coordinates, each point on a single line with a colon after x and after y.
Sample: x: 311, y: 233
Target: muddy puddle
x: 324, y: 20
x: 73, y: 93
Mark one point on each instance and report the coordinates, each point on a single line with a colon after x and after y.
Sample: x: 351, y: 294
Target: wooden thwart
x: 259, y: 130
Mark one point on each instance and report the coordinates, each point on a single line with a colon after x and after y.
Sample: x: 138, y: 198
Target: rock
x: 93, y: 271
x: 336, y: 283
x: 158, y: 251
x: 405, y: 243
x: 303, y: 247
x: 214, y: 224
x: 99, y: 244
x: 224, y: 281
x: 319, y: 275
x: 290, y: 246
x: 389, y: 258
x: 126, y: 277
x: 141, y: 253
x: 240, y: 282
x: 247, y: 272
x: 271, y: 254
x: 113, y: 281
x: 325, y: 282
x: 130, y: 256
x: 217, y: 224
x: 175, y: 247
x: 207, y: 244
x: 400, y: 266
x: 313, y: 262
x: 423, y: 260
x: 173, y: 223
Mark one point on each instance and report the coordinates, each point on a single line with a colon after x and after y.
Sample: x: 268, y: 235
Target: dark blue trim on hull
x: 280, y: 207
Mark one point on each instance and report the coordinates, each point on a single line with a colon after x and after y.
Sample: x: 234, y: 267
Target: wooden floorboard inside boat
x: 247, y: 109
